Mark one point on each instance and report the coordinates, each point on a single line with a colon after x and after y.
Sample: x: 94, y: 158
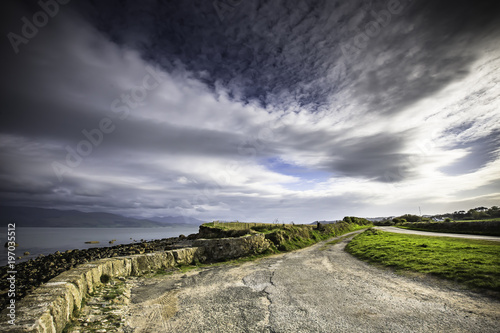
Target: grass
x: 473, y: 263
x: 114, y: 292
x: 292, y: 238
x: 241, y: 225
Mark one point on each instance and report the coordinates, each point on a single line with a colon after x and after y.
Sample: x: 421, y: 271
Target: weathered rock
x: 229, y: 248
x: 49, y: 266
x: 72, y: 275
x: 52, y: 305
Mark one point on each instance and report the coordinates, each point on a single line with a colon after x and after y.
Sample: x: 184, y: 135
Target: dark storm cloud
x: 377, y: 157
x: 479, y: 153
x: 309, y: 56
x: 395, y: 52
x: 54, y: 124
x: 421, y: 51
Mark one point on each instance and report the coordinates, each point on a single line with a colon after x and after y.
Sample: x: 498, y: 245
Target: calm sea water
x: 49, y: 240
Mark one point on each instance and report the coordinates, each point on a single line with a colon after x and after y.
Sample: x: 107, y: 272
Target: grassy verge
x: 485, y: 228
x: 474, y: 263
x: 296, y: 237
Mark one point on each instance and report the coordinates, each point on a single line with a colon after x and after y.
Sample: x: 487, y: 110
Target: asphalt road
x: 440, y: 234
x: 317, y: 289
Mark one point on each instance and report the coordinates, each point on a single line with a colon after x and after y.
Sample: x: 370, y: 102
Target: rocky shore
x: 31, y: 274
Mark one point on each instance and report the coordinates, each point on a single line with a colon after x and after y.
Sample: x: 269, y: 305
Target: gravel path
x: 439, y: 234
x: 317, y: 289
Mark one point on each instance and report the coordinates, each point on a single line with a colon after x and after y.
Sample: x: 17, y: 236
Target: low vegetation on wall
x: 284, y: 237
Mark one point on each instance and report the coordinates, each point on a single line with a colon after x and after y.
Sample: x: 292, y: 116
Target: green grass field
x: 474, y: 263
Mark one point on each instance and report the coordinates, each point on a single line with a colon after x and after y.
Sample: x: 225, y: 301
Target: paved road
x: 317, y: 289
x: 440, y: 234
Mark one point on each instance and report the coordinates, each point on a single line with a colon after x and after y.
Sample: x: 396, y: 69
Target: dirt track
x: 317, y: 289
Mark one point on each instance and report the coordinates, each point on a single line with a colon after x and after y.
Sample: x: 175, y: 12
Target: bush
x: 384, y: 223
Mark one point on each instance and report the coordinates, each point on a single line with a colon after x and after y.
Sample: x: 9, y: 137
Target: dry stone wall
x: 230, y: 248
x: 50, y: 307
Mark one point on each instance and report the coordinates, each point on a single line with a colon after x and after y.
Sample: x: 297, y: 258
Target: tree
x: 459, y: 215
x: 494, y: 211
x: 473, y: 214
x: 411, y: 218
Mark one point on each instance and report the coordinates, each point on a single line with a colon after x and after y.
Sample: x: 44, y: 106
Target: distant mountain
x: 372, y: 219
x: 324, y: 222
x: 177, y: 220
x: 41, y: 217
x: 376, y: 219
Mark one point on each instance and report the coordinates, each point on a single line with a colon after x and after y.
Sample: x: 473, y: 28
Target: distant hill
x: 372, y: 219
x: 177, y: 220
x: 376, y: 219
x: 324, y: 222
x: 41, y: 217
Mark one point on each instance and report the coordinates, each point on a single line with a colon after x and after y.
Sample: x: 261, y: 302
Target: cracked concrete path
x: 317, y: 289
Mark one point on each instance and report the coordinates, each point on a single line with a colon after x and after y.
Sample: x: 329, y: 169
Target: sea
x: 45, y: 241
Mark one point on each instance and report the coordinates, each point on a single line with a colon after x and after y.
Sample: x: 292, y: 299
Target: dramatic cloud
x: 263, y: 110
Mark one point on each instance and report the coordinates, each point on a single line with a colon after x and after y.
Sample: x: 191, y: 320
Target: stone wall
x: 230, y: 248
x: 50, y: 307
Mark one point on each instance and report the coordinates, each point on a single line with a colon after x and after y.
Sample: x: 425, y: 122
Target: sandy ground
x: 317, y: 289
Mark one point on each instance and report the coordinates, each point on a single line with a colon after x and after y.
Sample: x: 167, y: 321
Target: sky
x: 251, y: 110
